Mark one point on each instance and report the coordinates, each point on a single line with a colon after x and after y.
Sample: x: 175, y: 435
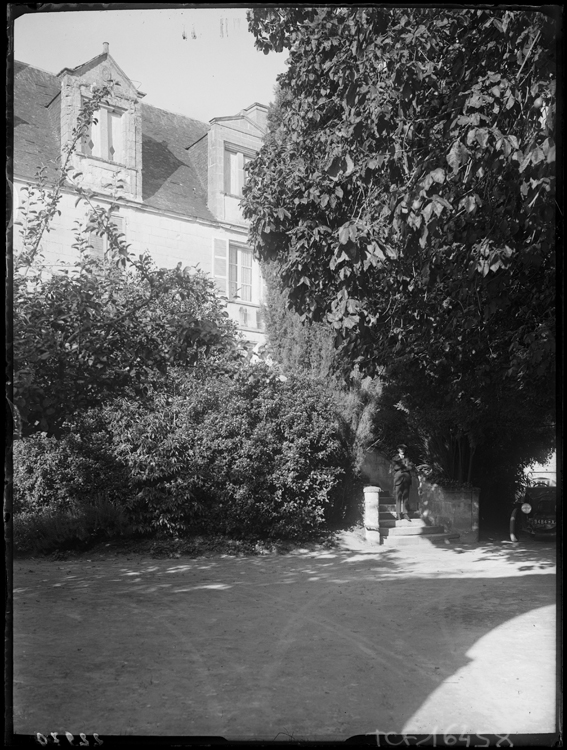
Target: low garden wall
x: 455, y: 509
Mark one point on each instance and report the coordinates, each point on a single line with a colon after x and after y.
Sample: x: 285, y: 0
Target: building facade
x: 180, y: 179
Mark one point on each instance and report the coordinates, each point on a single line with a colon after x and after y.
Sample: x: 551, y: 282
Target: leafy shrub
x: 66, y: 493
x: 46, y: 530
x: 60, y: 473
x: 245, y: 453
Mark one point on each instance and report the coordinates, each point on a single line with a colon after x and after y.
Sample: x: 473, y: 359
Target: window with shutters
x: 100, y: 245
x: 233, y: 269
x: 235, y: 160
x: 105, y: 138
x: 239, y: 272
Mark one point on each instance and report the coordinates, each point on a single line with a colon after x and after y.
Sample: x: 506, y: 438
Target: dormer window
x: 235, y: 160
x: 105, y: 139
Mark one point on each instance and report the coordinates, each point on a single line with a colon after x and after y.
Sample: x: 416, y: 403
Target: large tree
x: 407, y: 192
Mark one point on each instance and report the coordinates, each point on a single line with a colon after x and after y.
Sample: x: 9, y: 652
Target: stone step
x: 390, y: 522
x: 410, y: 530
x: 391, y: 513
x: 398, y: 541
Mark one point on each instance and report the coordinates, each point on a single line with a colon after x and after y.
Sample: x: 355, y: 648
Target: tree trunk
x: 472, y: 448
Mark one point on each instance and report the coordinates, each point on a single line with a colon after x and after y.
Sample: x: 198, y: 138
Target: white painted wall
x: 169, y: 239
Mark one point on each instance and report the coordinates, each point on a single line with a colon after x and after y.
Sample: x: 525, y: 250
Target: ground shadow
x: 330, y: 643
x: 533, y: 554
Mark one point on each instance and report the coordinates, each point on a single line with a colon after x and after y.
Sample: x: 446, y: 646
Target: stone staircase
x: 392, y: 532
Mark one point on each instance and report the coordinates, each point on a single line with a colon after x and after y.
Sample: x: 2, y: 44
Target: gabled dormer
x: 113, y: 147
x: 233, y: 142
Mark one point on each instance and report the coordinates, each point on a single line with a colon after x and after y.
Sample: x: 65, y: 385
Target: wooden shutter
x: 97, y: 244
x: 220, y: 264
x: 118, y: 223
x: 100, y: 245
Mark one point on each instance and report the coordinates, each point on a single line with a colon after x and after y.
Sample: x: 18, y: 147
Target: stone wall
x: 456, y: 510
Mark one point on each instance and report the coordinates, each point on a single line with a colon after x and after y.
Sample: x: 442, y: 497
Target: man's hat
x: 402, y: 446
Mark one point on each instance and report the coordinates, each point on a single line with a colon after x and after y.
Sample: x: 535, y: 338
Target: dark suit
x: 402, y: 482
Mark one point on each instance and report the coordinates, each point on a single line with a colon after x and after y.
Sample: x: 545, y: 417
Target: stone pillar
x: 371, y: 513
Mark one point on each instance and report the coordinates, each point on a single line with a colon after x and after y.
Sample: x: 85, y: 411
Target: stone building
x: 182, y: 179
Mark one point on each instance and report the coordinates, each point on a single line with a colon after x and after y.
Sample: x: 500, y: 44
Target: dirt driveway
x: 313, y: 644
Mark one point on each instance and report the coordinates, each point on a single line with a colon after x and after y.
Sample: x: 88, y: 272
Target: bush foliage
x: 244, y: 453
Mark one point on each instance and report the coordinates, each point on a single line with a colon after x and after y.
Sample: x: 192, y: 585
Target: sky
x: 198, y: 62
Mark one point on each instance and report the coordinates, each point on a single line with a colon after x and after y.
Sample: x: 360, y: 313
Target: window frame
x: 105, y: 132
x: 247, y: 155
x: 236, y: 285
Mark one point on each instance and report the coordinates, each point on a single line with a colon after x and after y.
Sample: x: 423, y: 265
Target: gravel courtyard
x: 314, y: 644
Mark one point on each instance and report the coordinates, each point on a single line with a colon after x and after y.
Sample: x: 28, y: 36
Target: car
x: 535, y: 514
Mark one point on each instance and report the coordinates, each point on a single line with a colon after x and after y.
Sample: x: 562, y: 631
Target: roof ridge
x: 34, y: 67
x: 177, y: 114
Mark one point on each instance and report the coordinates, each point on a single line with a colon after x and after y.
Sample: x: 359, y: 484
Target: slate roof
x: 36, y: 125
x: 174, y: 147
x: 172, y: 173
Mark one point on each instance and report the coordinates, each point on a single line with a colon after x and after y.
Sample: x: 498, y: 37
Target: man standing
x: 402, y: 468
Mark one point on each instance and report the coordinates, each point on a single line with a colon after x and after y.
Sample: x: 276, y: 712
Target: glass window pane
x: 96, y: 133
x: 234, y: 178
x: 246, y: 285
x: 245, y: 257
x: 246, y: 274
x: 115, y: 139
x: 240, y: 174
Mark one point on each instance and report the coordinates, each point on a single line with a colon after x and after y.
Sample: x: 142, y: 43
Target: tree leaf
x: 438, y: 175
x: 445, y: 203
x: 344, y: 234
x: 457, y: 156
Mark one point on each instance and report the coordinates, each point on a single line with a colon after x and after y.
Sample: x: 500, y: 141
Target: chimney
x: 105, y: 48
